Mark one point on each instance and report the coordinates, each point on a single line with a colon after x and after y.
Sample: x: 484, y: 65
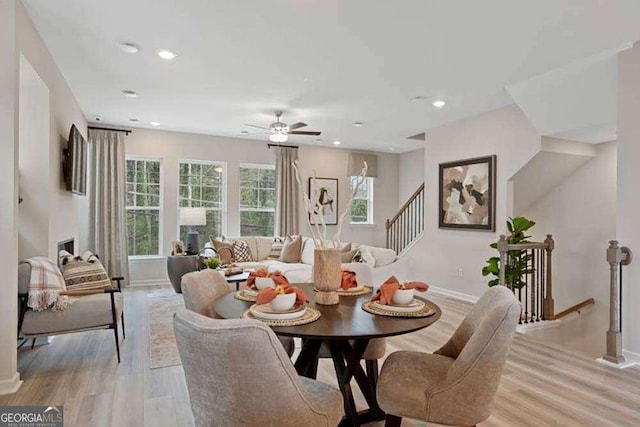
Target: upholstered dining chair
x: 457, y: 383
x: 238, y: 375
x: 201, y: 288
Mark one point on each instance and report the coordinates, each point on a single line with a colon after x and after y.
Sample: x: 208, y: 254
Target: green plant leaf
x: 494, y: 282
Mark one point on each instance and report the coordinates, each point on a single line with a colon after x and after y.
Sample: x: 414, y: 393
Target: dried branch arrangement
x: 319, y: 228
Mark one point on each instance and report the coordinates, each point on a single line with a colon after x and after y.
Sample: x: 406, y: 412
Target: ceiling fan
x: 279, y: 131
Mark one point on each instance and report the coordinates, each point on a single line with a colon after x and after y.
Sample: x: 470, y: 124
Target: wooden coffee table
x: 346, y: 328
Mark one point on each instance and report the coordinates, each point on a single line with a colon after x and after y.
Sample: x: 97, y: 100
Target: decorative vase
x: 327, y: 275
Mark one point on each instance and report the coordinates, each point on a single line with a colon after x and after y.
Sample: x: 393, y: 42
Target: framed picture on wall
x: 323, y: 193
x: 467, y: 194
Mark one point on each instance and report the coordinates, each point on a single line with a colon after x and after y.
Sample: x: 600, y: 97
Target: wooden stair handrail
x: 576, y: 307
x: 405, y: 206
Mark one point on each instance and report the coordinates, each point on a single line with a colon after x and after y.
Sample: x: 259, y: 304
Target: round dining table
x: 346, y: 330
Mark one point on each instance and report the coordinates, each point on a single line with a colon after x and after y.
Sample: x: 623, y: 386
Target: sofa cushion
x: 263, y: 248
x: 308, y: 249
x: 363, y: 255
x: 251, y: 265
x: 90, y: 311
x: 224, y: 249
x: 291, y: 249
x: 382, y: 256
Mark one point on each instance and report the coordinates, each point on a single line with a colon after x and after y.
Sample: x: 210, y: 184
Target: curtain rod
x: 126, y: 131
x: 280, y: 145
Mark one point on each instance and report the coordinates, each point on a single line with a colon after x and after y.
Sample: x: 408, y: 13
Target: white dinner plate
x: 250, y: 292
x: 265, y: 312
x: 356, y: 289
x: 415, y: 305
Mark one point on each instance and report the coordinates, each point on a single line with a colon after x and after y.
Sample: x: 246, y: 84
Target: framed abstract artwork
x: 323, y: 194
x: 467, y: 198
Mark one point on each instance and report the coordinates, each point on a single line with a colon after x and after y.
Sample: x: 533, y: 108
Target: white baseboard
x: 149, y: 282
x: 631, y: 356
x: 453, y: 294
x: 622, y: 365
x: 10, y: 385
x: 543, y: 324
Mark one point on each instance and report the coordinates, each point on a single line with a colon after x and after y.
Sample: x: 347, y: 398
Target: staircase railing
x: 408, y: 223
x: 617, y: 257
x: 534, y: 288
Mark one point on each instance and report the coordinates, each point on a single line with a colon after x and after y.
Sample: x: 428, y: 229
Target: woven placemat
x: 311, y: 315
x: 364, y: 291
x: 373, y: 308
x: 243, y: 297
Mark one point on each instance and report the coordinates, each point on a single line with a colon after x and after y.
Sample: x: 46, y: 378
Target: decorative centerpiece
x: 327, y: 275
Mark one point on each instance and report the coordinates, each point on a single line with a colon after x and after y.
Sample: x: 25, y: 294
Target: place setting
x: 258, y: 280
x: 277, y: 303
x: 395, y: 299
x: 349, y: 286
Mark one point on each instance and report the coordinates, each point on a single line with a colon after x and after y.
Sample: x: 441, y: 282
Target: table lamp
x: 193, y: 217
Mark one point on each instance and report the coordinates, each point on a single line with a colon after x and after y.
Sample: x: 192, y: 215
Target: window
x: 143, y: 206
x: 362, y: 206
x: 257, y: 200
x: 202, y: 185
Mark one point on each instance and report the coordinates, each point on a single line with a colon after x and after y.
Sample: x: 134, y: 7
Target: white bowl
x: 264, y: 283
x: 402, y: 297
x: 283, y: 302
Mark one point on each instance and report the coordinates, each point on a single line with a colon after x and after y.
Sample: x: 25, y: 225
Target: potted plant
x: 518, y: 261
x: 213, y: 262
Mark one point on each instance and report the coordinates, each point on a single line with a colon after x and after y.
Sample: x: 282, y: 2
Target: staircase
x: 408, y: 224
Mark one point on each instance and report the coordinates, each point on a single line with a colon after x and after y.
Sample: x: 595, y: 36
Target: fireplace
x: 66, y: 245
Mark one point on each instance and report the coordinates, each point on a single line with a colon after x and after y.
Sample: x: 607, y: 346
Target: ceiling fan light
x: 278, y: 137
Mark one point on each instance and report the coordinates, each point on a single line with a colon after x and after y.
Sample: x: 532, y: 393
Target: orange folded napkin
x: 277, y: 277
x: 267, y: 295
x: 348, y: 280
x: 391, y: 285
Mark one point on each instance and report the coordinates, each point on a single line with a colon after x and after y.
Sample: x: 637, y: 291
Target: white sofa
x: 384, y: 263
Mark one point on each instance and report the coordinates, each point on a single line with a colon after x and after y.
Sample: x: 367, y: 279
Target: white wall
x: 581, y: 215
x: 64, y: 208
x: 328, y: 162
x: 628, y: 201
x: 9, y: 378
x: 439, y: 255
x: 410, y: 174
x: 34, y: 163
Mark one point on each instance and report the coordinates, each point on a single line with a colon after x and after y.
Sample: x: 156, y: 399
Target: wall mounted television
x: 74, y: 162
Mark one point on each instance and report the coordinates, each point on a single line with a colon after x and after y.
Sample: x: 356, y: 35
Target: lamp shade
x: 193, y: 216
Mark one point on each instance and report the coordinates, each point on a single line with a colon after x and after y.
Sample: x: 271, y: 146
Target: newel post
x: 548, y: 307
x: 614, y: 334
x: 502, y: 248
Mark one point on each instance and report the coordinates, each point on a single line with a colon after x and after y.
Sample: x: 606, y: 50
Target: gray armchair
x: 238, y: 375
x: 102, y: 310
x: 456, y: 384
x: 201, y: 288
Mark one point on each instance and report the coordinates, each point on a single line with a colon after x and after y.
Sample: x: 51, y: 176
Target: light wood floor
x: 541, y: 385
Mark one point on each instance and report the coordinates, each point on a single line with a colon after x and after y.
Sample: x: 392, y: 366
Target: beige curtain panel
x: 356, y: 163
x: 107, y: 209
x: 287, y: 191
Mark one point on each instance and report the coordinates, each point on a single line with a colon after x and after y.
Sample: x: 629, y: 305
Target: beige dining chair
x: 238, y: 375
x: 200, y: 289
x: 456, y: 384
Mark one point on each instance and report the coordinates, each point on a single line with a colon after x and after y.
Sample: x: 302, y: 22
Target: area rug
x: 163, y: 350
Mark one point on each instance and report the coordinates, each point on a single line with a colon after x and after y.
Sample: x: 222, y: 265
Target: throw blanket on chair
x: 46, y: 285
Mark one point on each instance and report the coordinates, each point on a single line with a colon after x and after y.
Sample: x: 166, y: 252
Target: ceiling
x: 328, y: 63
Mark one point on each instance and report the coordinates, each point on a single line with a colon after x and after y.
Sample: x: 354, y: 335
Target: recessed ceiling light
x: 337, y: 142
x: 438, y: 103
x: 358, y: 124
x: 130, y: 94
x: 166, y: 54
x: 97, y: 118
x: 129, y: 47
x: 155, y: 124
x: 134, y: 120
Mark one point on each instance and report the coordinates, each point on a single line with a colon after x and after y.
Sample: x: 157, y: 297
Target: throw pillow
x: 276, y: 248
x: 84, y: 273
x: 347, y: 257
x: 241, y: 251
x: 224, y: 249
x: 364, y: 256
x: 291, y: 249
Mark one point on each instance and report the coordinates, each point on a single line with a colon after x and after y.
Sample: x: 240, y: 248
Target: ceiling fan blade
x: 297, y: 125
x: 302, y: 132
x: 256, y: 126
x: 253, y: 133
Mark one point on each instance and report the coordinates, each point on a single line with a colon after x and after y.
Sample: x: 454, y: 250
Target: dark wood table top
x: 346, y: 320
x: 240, y: 277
